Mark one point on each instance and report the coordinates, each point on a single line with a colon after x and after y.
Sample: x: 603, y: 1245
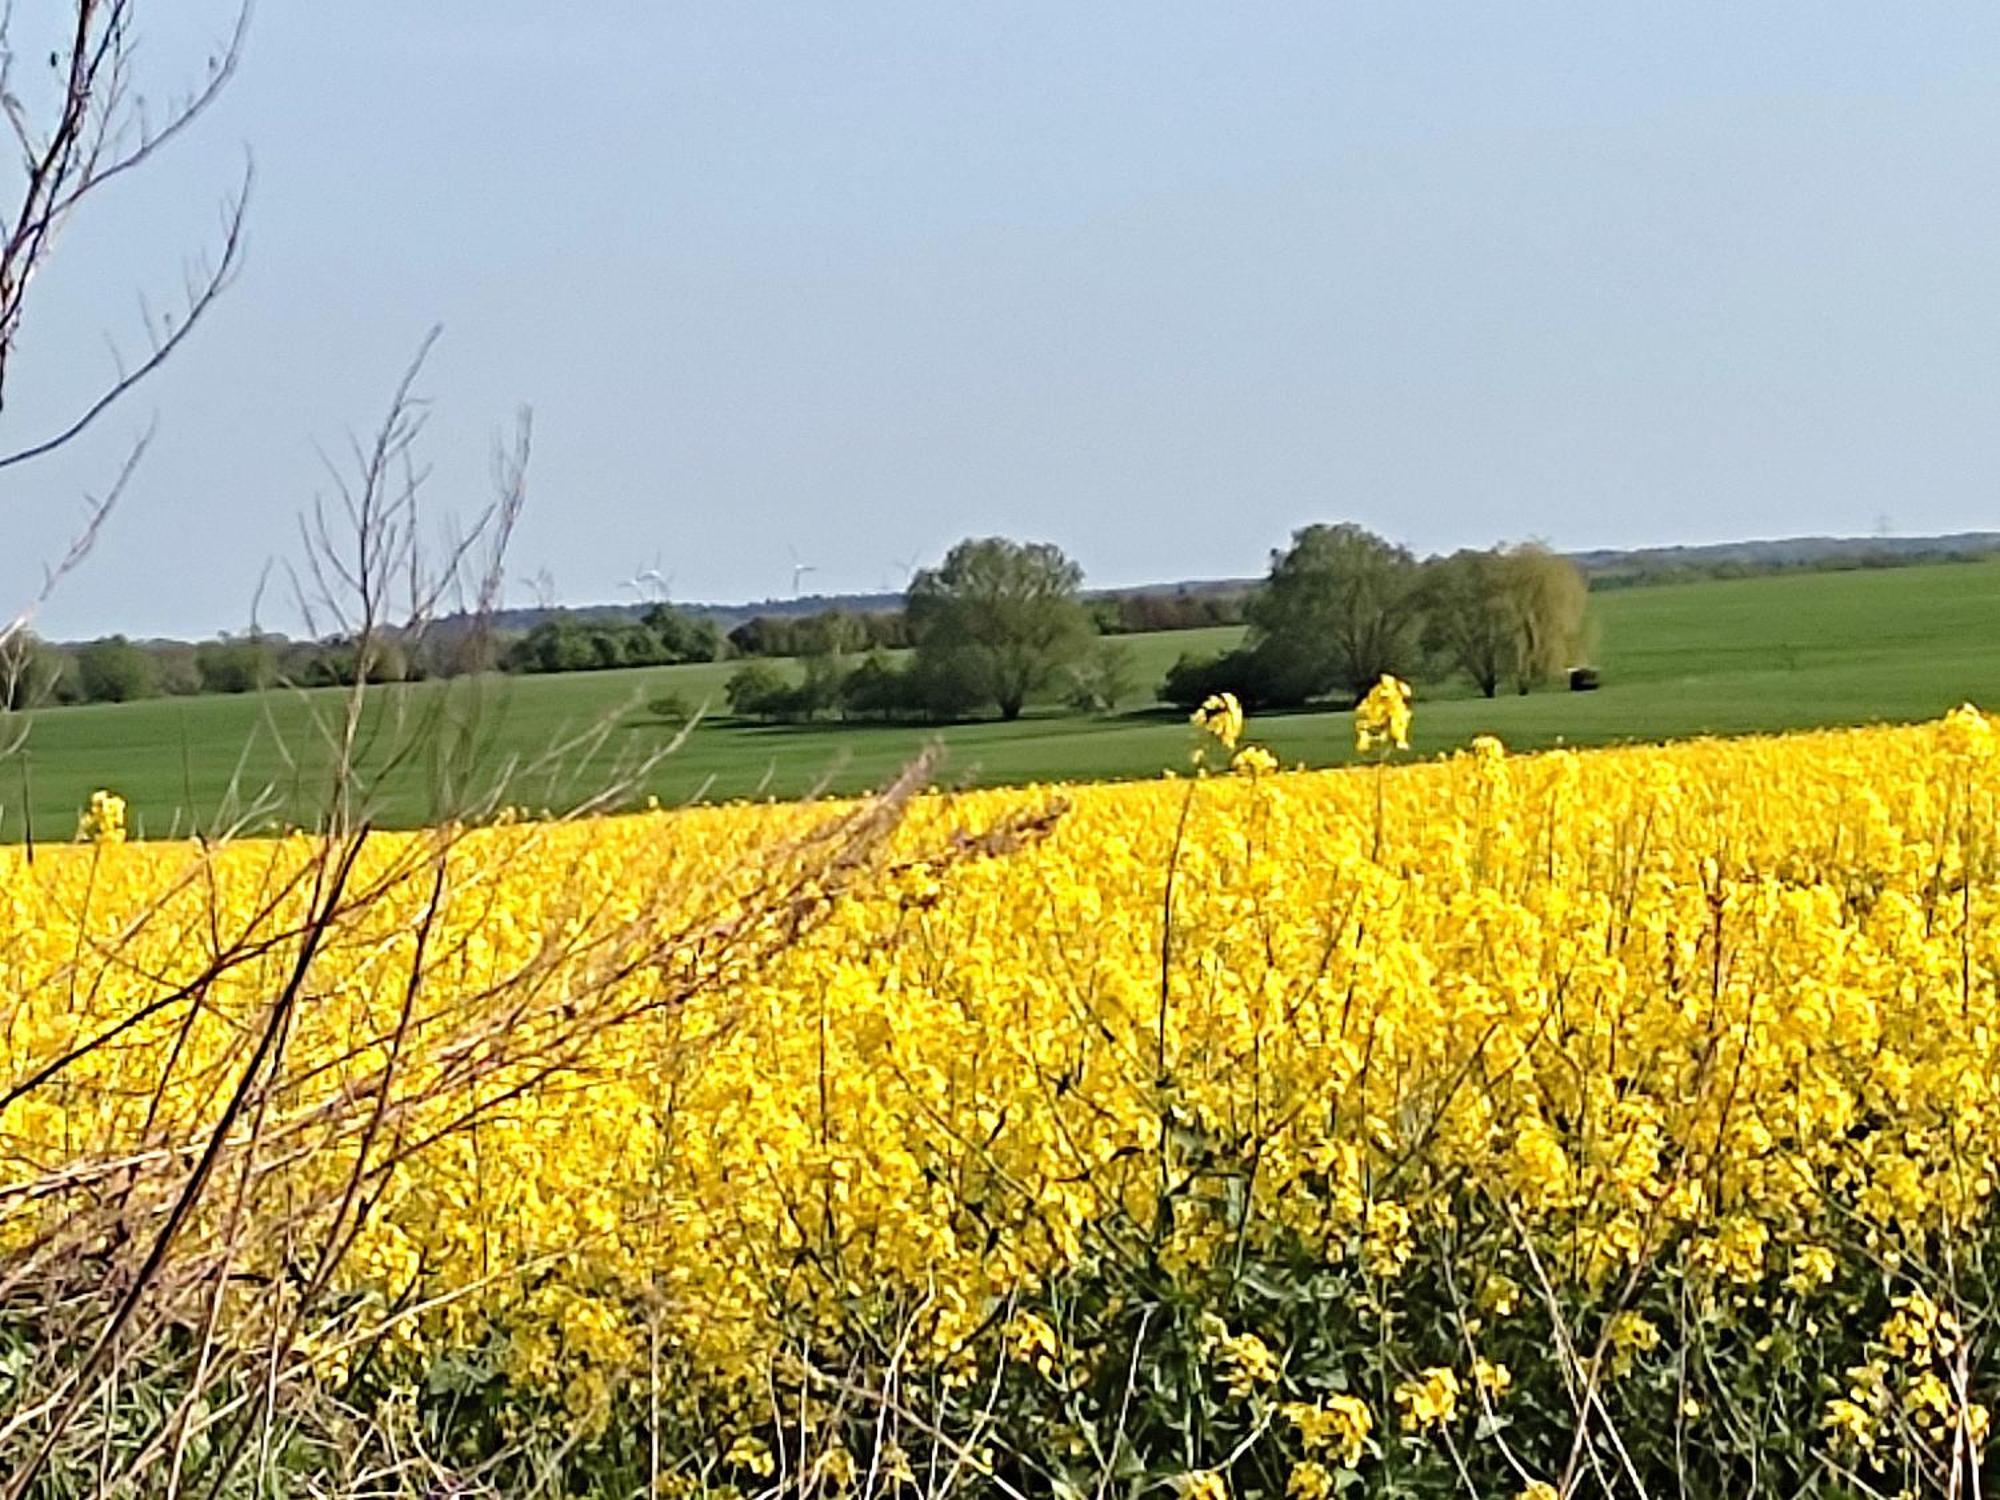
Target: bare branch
x: 148, y: 139
x: 212, y: 284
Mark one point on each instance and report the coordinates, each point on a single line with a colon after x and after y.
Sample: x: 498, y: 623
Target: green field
x: 1706, y: 658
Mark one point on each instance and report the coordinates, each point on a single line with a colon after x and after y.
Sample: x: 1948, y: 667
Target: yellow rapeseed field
x: 1622, y: 1049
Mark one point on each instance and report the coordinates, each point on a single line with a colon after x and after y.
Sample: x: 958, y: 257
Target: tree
x: 875, y: 689
x: 943, y: 688
x: 1247, y: 672
x: 878, y: 688
x: 760, y: 635
x: 1513, y: 614
x: 758, y: 690
x: 1105, y: 680
x: 672, y: 708
x: 245, y: 664
x: 456, y: 649
x: 1340, y: 609
x: 683, y: 637
x: 1469, y: 620
x: 832, y: 632
x: 560, y: 645
x: 175, y: 672
x: 33, y: 673
x: 792, y: 635
x: 1550, y: 602
x: 1001, y: 616
x: 113, y: 670
x: 818, y: 691
x: 1156, y: 609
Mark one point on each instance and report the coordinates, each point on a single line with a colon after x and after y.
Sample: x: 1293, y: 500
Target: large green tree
x: 113, y: 670
x: 682, y: 637
x: 239, y: 664
x: 1468, y: 619
x: 1550, y: 603
x: 1513, y: 614
x: 1000, y: 616
x: 1340, y: 608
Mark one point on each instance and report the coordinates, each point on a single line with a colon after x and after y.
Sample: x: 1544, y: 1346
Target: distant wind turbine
x: 901, y: 568
x: 650, y: 584
x: 542, y: 584
x: 799, y: 571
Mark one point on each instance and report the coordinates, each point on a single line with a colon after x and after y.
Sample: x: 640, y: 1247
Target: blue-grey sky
x: 1157, y: 282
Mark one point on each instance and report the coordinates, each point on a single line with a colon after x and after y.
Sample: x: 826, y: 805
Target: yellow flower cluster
x: 1910, y: 1375
x: 1383, y: 716
x: 103, y: 821
x: 1431, y: 1400
x: 1682, y: 999
x: 1337, y: 1426
x: 1221, y: 716
x: 1248, y: 1364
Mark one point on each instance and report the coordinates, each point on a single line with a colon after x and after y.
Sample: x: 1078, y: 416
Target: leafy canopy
x: 1001, y: 616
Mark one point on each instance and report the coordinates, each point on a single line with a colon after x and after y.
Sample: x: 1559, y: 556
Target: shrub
x: 1248, y: 672
x: 673, y: 708
x: 877, y: 689
x: 243, y: 665
x: 758, y: 690
x: 113, y: 670
x: 34, y: 674
x: 1104, y: 681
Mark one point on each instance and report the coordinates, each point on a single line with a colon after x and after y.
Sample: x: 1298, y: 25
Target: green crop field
x: 1704, y: 658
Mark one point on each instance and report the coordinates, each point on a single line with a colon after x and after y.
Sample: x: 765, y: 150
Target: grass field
x: 1706, y: 658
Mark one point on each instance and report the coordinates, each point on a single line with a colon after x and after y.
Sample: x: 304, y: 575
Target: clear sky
x: 840, y: 283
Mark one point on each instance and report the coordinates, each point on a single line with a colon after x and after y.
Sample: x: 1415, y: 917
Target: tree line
x: 36, y: 673
x: 1677, y: 565
x: 662, y: 637
x: 1128, y: 612
x: 1342, y: 606
x: 116, y: 669
x: 996, y: 625
x: 1002, y: 623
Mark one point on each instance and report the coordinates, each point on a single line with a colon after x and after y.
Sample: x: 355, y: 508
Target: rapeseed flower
x: 1220, y: 717
x: 1495, y: 1380
x: 1248, y: 1364
x: 1383, y: 716
x: 1431, y: 1400
x: 1402, y: 995
x: 103, y: 821
x: 1338, y: 1426
x: 1254, y: 760
x: 1629, y: 1335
